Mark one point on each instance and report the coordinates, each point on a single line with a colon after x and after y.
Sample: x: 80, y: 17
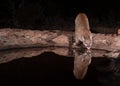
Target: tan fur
x: 82, y: 30
x: 118, y: 31
x: 81, y: 63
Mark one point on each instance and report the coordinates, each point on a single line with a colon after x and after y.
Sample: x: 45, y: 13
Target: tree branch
x: 19, y: 38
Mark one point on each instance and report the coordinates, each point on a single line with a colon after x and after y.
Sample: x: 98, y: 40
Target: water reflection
x: 81, y: 63
x: 81, y: 59
x: 62, y: 64
x: 12, y: 54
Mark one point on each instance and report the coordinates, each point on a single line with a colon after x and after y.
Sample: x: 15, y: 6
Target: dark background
x: 57, y: 14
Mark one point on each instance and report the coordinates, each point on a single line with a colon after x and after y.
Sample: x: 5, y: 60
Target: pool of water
x: 50, y: 67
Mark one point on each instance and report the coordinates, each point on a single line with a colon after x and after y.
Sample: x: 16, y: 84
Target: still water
x: 35, y: 66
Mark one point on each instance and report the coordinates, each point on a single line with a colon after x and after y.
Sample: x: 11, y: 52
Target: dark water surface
x: 50, y: 67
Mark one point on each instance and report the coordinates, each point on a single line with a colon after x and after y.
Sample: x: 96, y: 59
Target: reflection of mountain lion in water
x: 82, y: 30
x: 81, y: 63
